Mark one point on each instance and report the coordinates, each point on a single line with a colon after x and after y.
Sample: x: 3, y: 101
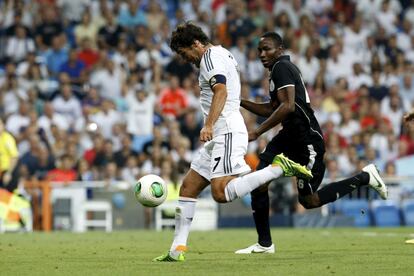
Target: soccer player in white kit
x: 221, y: 161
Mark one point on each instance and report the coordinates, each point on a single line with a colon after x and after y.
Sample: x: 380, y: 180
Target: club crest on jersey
x: 212, y: 81
x: 272, y: 85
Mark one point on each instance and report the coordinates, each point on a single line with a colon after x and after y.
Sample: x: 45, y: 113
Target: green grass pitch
x: 328, y: 251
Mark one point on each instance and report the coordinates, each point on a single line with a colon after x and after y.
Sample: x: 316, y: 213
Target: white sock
x: 184, y: 214
x: 241, y: 186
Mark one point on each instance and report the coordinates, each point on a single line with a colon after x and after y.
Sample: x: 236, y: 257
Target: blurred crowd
x: 91, y: 90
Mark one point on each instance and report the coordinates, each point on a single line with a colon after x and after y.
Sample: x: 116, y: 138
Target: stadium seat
x: 161, y: 219
x: 205, y: 218
x: 386, y: 213
x: 407, y: 209
x: 95, y: 206
x: 358, y: 209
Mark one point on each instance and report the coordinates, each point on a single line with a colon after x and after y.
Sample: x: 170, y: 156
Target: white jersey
x: 219, y: 61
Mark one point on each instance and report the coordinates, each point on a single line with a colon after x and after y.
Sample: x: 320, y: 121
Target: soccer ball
x: 150, y: 190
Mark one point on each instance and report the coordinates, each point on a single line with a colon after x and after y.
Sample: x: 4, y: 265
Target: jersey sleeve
x: 282, y: 77
x: 211, y: 65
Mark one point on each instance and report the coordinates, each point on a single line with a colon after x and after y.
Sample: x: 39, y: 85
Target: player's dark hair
x: 185, y: 34
x: 277, y: 39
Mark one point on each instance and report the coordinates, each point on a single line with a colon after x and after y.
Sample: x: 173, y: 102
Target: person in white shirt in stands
x: 387, y: 18
x: 49, y: 118
x: 109, y: 80
x: 220, y: 162
x: 67, y: 105
x: 19, y: 45
x: 140, y: 112
x: 16, y: 121
x: 355, y: 37
x: 358, y: 77
x: 309, y: 65
x: 106, y: 118
x: 140, y: 115
x: 239, y: 52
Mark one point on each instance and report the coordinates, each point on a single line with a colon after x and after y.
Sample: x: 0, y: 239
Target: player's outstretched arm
x: 260, y: 109
x: 286, y: 97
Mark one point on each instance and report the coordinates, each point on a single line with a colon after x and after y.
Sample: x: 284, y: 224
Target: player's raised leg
x: 192, y: 186
x: 375, y: 180
x: 241, y: 186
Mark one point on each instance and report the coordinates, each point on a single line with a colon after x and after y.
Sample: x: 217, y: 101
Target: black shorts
x: 309, y: 154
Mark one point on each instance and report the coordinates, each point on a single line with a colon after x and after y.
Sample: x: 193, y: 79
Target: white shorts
x: 222, y: 156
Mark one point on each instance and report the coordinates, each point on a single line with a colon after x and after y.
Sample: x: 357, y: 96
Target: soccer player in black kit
x: 300, y: 139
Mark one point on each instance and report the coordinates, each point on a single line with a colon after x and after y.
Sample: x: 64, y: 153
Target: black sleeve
x: 282, y: 76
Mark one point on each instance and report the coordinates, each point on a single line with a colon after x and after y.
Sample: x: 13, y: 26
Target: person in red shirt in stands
x: 98, y: 147
x: 407, y: 136
x: 173, y: 100
x: 64, y: 172
x: 87, y: 54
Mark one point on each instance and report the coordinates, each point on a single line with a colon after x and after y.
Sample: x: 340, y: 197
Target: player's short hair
x: 185, y: 34
x: 277, y: 39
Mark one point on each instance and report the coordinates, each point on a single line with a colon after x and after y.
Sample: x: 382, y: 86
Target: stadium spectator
x: 87, y: 54
x: 239, y: 51
x: 49, y: 29
x: 377, y: 90
x: 178, y: 67
x: 131, y: 15
x: 73, y: 66
x: 190, y: 128
x: 64, y: 171
x: 309, y: 66
x: 49, y: 118
x: 406, y: 88
x: 17, y: 121
x: 110, y: 33
x: 92, y: 100
x: 173, y: 99
x: 158, y: 140
x: 97, y: 147
x: 155, y: 16
x: 19, y: 44
x: 109, y: 79
x: 140, y: 114
x: 348, y: 126
x: 358, y: 77
x: 130, y: 171
x: 13, y: 95
x: 86, y: 29
x: 121, y: 157
x: 106, y: 118
x: 56, y: 56
x: 254, y: 69
x: 386, y: 17
x: 67, y: 104
x: 105, y: 156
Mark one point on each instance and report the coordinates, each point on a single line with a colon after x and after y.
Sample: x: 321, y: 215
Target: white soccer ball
x: 150, y: 190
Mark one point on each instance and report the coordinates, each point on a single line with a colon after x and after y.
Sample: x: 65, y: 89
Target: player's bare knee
x: 219, y: 196
x: 217, y: 192
x: 217, y: 189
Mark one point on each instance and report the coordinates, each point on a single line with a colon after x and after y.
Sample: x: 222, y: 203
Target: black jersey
x: 302, y: 123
